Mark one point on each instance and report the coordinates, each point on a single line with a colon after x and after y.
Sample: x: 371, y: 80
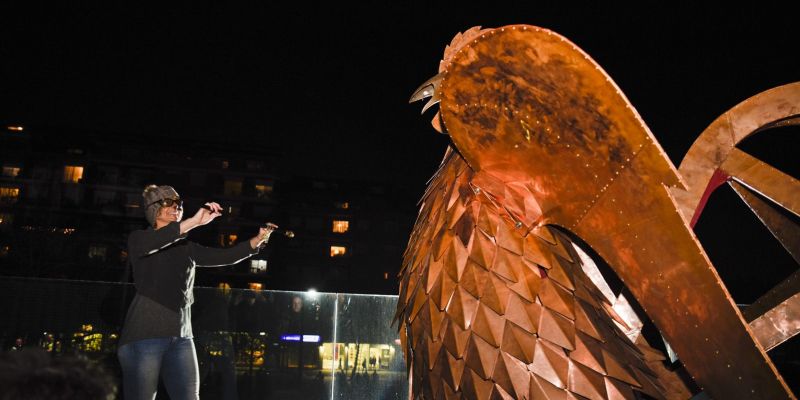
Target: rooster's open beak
x: 428, y: 89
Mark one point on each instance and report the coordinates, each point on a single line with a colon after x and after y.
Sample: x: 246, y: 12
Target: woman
x: 157, y: 335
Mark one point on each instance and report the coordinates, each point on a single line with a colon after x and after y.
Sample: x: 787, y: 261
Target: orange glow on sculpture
x: 498, y: 298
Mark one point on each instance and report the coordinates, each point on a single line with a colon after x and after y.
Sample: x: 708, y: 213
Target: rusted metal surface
x: 495, y: 312
x: 775, y: 107
x: 782, y: 291
x: 784, y: 229
x: 545, y: 138
x: 764, y: 179
x: 779, y: 324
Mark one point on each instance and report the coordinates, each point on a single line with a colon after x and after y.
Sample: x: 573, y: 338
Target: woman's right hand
x: 205, y: 215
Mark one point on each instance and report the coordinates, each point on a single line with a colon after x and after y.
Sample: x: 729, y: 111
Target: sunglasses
x: 168, y: 203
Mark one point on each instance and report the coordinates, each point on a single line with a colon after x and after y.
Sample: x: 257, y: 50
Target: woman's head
x: 162, y: 205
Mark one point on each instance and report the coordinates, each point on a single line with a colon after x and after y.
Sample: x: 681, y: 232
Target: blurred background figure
x: 33, y: 374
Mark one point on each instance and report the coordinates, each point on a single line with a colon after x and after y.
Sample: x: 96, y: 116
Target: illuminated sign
x: 301, y: 338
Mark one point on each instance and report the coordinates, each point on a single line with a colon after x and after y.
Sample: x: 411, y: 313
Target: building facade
x: 68, y: 200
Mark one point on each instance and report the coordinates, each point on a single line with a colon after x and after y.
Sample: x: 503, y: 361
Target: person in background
x: 156, y: 338
x: 33, y: 374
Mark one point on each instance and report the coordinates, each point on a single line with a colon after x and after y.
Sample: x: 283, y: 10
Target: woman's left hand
x: 263, y: 235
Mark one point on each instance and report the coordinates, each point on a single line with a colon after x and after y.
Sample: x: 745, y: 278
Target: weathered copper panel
x: 782, y: 291
x: 550, y: 363
x: 512, y: 375
x: 495, y: 294
x: 488, y: 325
x: 518, y: 343
x: 784, y: 229
x: 542, y: 389
x: 561, y: 272
x: 779, y: 324
x: 557, y: 329
x: 717, y: 141
x: 503, y: 264
x: 586, y: 382
x: 764, y: 179
x: 557, y: 298
x: 588, y: 352
x: 617, y: 390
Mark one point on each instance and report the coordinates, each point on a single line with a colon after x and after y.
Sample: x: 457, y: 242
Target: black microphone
x: 281, y: 231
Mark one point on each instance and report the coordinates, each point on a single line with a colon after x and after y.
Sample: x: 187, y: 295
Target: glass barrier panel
x: 366, y: 354
x: 250, y: 344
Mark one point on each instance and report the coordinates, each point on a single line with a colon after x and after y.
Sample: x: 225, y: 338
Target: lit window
x: 11, y: 172
x: 263, y: 190
x: 343, y: 205
x: 233, y: 188
x: 337, y: 251
x: 254, y: 286
x: 255, y: 164
x: 340, y: 226
x: 9, y: 195
x: 258, y: 266
x: 73, y: 173
x: 97, y: 252
x: 227, y: 239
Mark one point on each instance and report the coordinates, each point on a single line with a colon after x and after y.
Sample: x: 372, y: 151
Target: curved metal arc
x: 775, y: 107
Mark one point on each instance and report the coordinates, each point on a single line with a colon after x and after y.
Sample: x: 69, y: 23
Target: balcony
x: 250, y: 344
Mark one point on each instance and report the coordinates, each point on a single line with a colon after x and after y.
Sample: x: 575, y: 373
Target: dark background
x: 327, y: 85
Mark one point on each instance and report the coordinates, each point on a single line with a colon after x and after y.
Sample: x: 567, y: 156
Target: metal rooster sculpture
x: 498, y: 298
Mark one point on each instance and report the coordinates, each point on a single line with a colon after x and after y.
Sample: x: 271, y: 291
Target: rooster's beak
x: 428, y: 89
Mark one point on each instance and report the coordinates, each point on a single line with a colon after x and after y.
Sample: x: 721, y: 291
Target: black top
x: 163, y: 273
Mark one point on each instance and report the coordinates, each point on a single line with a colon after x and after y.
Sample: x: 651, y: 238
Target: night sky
x: 327, y: 86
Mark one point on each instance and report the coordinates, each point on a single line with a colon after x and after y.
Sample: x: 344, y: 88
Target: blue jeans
x: 172, y: 358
